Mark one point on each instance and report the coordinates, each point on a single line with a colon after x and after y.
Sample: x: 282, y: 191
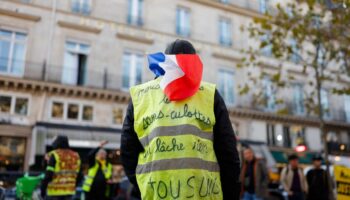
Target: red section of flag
x: 187, y: 85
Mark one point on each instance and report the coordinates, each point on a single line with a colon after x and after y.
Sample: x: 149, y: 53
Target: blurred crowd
x: 295, y: 185
x: 64, y: 175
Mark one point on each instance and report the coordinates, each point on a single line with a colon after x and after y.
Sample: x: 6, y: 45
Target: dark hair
x: 180, y: 47
x: 61, y: 142
x: 317, y: 157
x: 293, y: 157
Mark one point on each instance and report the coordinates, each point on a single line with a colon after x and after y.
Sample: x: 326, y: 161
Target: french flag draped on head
x: 182, y: 74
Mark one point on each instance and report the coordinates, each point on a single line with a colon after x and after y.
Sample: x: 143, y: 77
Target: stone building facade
x: 66, y: 66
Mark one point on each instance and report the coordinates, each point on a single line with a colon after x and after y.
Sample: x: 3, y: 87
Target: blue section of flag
x: 154, y: 60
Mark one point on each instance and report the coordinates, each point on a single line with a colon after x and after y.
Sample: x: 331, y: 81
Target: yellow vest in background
x: 107, y: 172
x: 65, y: 172
x: 179, y: 161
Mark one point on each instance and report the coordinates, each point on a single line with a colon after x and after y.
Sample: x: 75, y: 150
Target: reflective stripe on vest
x: 179, y: 161
x: 65, y: 172
x: 89, y: 179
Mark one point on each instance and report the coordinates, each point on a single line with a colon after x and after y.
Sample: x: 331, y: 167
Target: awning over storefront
x: 79, y: 136
x: 282, y: 157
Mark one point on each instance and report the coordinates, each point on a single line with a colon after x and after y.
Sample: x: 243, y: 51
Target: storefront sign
x: 342, y: 177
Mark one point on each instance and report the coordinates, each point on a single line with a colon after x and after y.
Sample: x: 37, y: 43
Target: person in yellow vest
x: 179, y: 149
x: 62, y: 172
x: 96, y: 185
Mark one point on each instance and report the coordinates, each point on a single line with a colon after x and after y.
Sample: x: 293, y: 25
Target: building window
x: 295, y: 52
x: 135, y: 12
x: 21, y: 106
x: 269, y: 94
x: 14, y: 105
x: 132, y: 69
x: 225, y: 1
x: 71, y: 111
x: 285, y: 140
x: 5, y: 104
x: 333, y: 141
x: 75, y: 63
x: 12, y: 52
x: 263, y: 6
x: 225, y: 29
x: 298, y: 99
x: 267, y: 49
x: 57, y: 110
x: 87, y: 113
x: 291, y: 136
x: 271, y: 138
x: 226, y: 86
x: 117, y: 116
x: 81, y: 6
x: 183, y: 21
x: 297, y: 135
x: 347, y: 107
x: 12, y: 153
x: 280, y: 139
x: 325, y: 103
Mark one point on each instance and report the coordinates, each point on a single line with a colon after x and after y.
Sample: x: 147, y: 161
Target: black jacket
x: 61, y: 142
x: 99, y: 184
x: 224, y: 147
x: 318, y: 184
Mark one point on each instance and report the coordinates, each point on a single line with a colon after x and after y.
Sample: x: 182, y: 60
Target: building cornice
x: 78, y: 127
x: 286, y: 119
x: 229, y: 8
x: 296, y: 72
x: 78, y: 27
x: 20, y: 15
x: 225, y: 56
x: 344, y: 80
x: 134, y: 38
x: 19, y: 84
x: 15, y: 130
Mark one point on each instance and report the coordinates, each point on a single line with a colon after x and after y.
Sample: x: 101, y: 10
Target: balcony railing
x: 254, y: 5
x: 112, y: 78
x: 338, y: 115
x: 100, y: 77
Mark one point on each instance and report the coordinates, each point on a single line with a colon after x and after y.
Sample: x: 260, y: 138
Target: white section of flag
x: 172, y: 70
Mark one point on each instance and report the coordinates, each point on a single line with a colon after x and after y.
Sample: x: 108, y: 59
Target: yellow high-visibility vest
x: 179, y: 161
x: 107, y: 172
x: 65, y: 172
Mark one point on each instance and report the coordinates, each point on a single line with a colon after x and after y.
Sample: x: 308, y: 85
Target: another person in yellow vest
x: 179, y: 149
x: 62, y: 172
x: 96, y: 185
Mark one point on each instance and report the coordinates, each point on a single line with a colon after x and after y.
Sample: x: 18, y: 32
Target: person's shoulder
x: 144, y: 88
x: 206, y: 87
x: 311, y: 171
x: 207, y: 84
x: 285, y: 169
